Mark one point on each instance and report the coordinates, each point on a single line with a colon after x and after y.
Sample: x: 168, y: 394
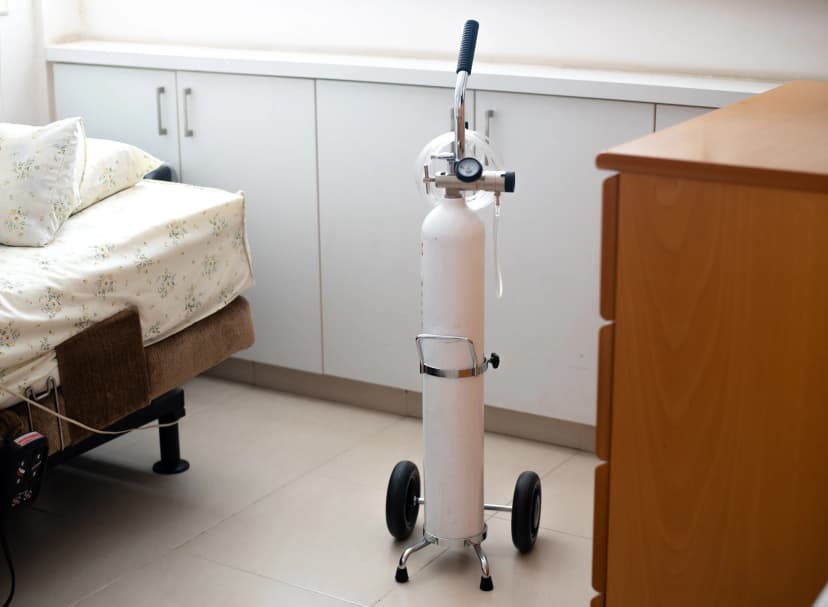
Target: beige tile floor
x: 284, y: 505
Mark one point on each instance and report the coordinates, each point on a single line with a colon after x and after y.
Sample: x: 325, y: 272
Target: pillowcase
x: 41, y: 169
x: 112, y: 166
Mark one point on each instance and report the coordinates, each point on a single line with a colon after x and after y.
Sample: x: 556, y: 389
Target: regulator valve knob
x: 494, y: 360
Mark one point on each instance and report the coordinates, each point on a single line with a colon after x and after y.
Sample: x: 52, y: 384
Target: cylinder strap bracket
x: 473, y: 371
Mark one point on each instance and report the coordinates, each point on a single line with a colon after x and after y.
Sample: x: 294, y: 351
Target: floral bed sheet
x: 177, y: 252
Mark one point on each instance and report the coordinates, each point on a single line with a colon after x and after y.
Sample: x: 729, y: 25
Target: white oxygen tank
x: 453, y: 264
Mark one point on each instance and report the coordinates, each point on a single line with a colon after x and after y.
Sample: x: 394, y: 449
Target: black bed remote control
x: 23, y: 468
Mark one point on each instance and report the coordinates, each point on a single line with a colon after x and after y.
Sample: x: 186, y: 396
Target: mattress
x: 176, y: 252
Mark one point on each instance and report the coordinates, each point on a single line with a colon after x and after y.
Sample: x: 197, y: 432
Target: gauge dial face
x: 468, y: 169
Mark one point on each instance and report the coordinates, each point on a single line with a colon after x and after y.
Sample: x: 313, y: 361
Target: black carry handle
x: 466, y: 57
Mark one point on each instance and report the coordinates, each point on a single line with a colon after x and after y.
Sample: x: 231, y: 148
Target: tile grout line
x: 565, y: 461
x: 114, y: 580
x: 181, y: 546
x: 287, y: 483
x: 356, y: 444
x: 276, y: 579
x: 569, y: 533
x: 427, y: 564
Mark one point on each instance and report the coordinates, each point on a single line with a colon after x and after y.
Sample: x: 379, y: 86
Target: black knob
x: 509, y: 179
x: 494, y: 360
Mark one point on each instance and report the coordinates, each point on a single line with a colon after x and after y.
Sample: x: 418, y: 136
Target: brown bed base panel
x: 200, y: 347
x: 167, y: 408
x: 108, y: 381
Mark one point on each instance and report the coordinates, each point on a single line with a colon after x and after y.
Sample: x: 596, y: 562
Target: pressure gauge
x: 468, y: 169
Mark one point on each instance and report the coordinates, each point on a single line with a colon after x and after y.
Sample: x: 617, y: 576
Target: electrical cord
x: 7, y: 552
x: 75, y: 422
x: 33, y: 403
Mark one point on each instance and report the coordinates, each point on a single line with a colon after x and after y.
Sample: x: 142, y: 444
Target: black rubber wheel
x: 526, y: 509
x: 401, y: 505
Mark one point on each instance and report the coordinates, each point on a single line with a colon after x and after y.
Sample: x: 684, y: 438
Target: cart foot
x: 485, y: 580
x: 402, y: 573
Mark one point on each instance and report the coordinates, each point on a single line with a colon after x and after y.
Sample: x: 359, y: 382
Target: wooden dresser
x: 713, y: 369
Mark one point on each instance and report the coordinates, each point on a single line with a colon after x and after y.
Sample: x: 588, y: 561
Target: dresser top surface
x: 777, y: 139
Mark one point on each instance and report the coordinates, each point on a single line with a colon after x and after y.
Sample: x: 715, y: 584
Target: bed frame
x: 110, y: 380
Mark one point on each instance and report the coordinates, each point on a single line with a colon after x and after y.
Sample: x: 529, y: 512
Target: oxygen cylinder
x: 453, y: 264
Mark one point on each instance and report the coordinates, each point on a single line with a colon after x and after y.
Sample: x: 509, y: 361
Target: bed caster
x: 402, y: 502
x: 526, y: 509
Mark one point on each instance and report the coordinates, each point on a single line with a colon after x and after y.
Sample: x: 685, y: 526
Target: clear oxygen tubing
x: 495, y: 230
x: 481, y: 147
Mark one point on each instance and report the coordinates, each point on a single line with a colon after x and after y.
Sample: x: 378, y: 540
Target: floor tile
x: 110, y: 512
x: 568, y: 496
x: 179, y: 580
x: 370, y: 463
x: 323, y: 533
x: 506, y: 457
x: 556, y: 573
x: 242, y: 442
x: 284, y: 504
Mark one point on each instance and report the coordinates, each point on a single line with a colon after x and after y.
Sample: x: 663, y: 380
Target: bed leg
x: 171, y: 462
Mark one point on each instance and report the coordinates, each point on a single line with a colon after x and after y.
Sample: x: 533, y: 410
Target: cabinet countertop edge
x: 776, y: 139
x: 518, y: 78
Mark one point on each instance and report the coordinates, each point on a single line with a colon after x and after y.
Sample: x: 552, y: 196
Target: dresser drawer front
x: 609, y: 246
x: 600, y: 529
x: 603, y: 427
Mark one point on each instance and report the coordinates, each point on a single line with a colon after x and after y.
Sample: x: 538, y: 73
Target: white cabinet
x: 251, y: 133
x: 370, y: 217
x: 669, y: 115
x: 546, y: 324
x: 257, y: 134
x: 334, y: 215
x: 137, y: 106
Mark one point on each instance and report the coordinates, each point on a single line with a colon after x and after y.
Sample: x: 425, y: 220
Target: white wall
x: 61, y: 20
x: 23, y: 92
x: 764, y: 39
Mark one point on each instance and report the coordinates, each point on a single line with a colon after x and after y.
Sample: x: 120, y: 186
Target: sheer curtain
x: 23, y: 88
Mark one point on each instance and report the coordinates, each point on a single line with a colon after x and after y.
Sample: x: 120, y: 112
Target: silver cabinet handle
x: 488, y: 114
x: 162, y: 130
x: 188, y: 132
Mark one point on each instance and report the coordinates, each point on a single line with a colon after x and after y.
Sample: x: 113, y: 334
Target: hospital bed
x: 136, y: 295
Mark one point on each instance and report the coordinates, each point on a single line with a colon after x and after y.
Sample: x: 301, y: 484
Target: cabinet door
x: 669, y: 115
x: 256, y: 134
x: 132, y: 105
x: 370, y: 219
x: 546, y: 325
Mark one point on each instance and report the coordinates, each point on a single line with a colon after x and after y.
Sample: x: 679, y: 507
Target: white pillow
x: 41, y: 169
x: 112, y: 166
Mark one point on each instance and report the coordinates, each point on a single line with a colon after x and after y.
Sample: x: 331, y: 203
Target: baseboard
x: 400, y: 402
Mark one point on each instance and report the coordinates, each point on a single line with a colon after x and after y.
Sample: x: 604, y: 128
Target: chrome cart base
x: 473, y: 542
